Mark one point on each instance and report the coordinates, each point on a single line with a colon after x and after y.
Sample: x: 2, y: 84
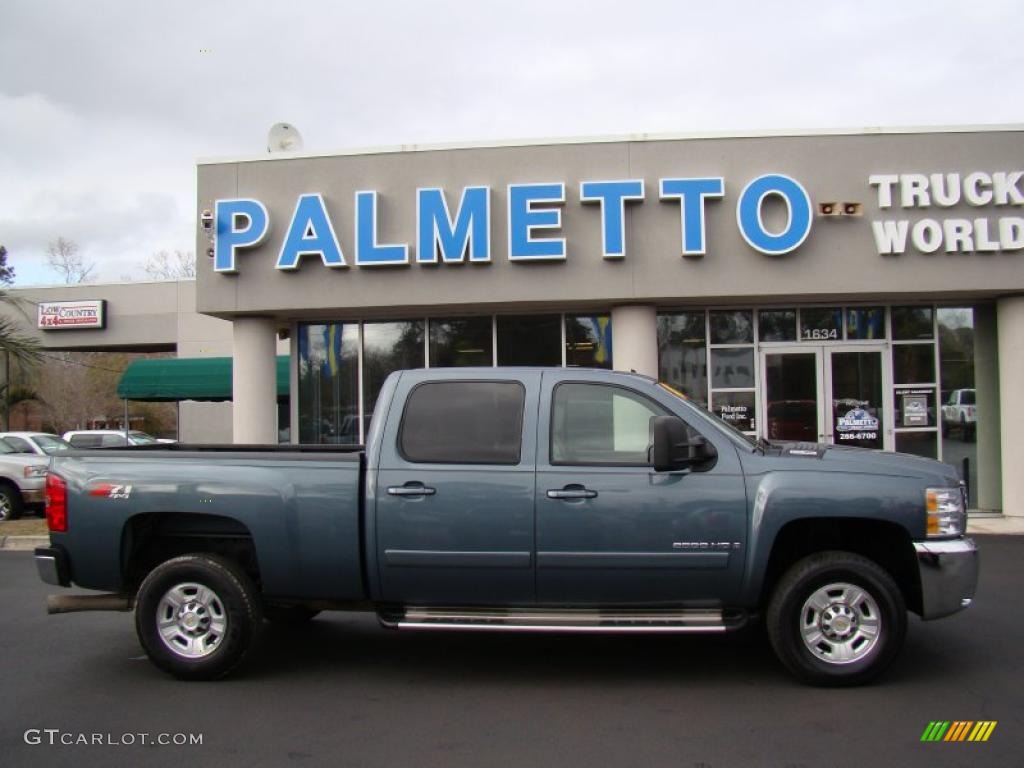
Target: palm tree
x: 14, y: 343
x: 13, y: 340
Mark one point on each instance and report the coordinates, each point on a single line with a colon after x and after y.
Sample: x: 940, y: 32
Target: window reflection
x: 732, y: 327
x: 959, y: 415
x: 328, y: 383
x: 388, y: 347
x: 588, y: 341
x: 459, y: 342
x: 682, y: 354
x: 529, y: 340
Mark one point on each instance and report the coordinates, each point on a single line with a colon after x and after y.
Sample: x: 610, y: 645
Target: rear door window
x: 463, y: 422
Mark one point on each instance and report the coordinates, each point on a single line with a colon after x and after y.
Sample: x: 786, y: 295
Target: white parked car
x: 22, y: 481
x: 959, y: 413
x: 40, y: 443
x: 107, y: 438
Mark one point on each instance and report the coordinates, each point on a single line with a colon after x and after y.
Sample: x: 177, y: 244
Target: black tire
x: 790, y: 612
x: 236, y: 604
x: 289, y: 614
x: 11, y: 505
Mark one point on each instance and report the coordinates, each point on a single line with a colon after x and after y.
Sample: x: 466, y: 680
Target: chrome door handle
x: 572, y: 493
x: 410, y: 490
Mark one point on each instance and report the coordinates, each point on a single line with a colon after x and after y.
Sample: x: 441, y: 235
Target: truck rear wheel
x: 196, y: 616
x: 836, y: 618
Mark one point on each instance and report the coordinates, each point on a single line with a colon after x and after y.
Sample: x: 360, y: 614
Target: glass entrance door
x: 825, y: 394
x: 855, y: 387
x: 792, y: 403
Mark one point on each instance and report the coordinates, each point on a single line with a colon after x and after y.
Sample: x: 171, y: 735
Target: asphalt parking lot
x: 344, y: 692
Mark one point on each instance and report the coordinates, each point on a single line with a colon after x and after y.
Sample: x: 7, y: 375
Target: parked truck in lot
x: 504, y: 499
x: 959, y: 412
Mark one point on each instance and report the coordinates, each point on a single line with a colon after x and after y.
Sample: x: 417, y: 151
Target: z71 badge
x: 111, y: 491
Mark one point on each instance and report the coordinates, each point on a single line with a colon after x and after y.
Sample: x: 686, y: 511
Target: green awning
x: 169, y: 379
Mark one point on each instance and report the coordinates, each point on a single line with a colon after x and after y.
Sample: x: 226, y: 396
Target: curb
x: 23, y: 543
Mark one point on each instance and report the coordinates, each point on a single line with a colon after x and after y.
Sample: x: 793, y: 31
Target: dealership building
x: 858, y: 287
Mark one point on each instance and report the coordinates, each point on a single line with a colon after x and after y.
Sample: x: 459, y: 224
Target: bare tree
x: 163, y: 265
x: 64, y: 258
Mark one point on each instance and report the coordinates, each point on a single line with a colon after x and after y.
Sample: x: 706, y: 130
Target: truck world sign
x: 64, y: 315
x: 532, y: 213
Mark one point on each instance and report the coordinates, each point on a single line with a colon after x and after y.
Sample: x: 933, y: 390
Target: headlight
x: 946, y: 513
x: 39, y: 470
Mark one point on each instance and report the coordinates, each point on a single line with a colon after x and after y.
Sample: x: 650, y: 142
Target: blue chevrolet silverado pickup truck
x: 507, y: 499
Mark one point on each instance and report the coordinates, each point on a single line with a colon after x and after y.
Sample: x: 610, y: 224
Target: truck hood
x: 841, y: 457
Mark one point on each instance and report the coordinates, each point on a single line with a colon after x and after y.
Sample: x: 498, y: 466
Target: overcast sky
x: 105, y: 105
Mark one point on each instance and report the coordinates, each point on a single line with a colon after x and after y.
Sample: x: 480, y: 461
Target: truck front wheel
x: 196, y: 616
x: 10, y: 503
x: 836, y: 618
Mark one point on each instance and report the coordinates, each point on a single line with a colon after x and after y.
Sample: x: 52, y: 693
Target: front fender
x: 781, y: 498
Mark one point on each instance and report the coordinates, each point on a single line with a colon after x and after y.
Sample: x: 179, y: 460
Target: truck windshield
x: 744, y: 440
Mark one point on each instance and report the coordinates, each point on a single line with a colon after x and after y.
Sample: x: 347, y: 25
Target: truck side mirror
x: 672, y: 448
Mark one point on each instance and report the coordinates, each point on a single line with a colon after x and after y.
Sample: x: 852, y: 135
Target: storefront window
x: 732, y: 327
x: 915, y: 407
x: 460, y: 342
x: 957, y: 394
x: 735, y: 408
x: 588, y: 341
x: 865, y: 323
x: 917, y: 443
x: 913, y: 363
x: 388, y: 347
x: 732, y: 368
x: 529, y: 340
x: 329, y: 383
x: 682, y: 353
x: 912, y: 323
x: 821, y: 324
x: 776, y: 325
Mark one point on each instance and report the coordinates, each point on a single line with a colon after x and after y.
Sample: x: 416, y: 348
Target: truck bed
x: 298, y: 507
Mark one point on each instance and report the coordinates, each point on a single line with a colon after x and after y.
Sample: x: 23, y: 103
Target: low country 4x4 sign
x: 62, y: 315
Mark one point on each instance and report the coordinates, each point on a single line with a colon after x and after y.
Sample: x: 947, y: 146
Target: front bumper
x: 949, y: 575
x: 52, y: 564
x: 33, y: 495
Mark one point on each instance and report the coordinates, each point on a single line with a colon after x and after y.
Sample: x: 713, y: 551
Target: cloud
x: 105, y: 105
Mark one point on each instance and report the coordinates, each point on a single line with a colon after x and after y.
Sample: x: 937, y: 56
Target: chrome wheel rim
x: 191, y: 620
x: 840, y: 623
x: 5, y: 506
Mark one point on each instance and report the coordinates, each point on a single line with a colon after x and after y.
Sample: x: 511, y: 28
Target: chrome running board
x: 560, y: 620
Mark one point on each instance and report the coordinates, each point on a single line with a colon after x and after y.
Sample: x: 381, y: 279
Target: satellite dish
x: 284, y: 137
